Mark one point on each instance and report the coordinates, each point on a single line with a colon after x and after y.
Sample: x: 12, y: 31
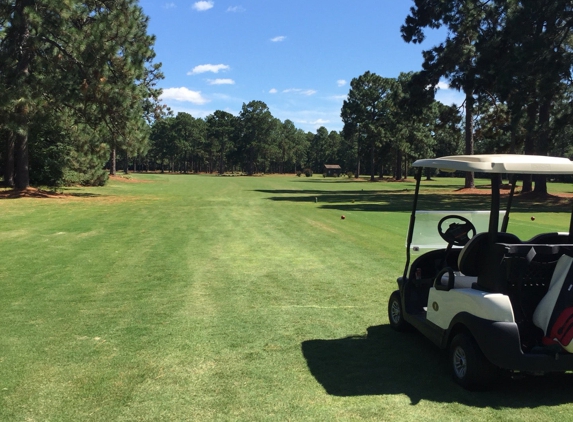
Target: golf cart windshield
x: 426, y: 235
x: 423, y: 231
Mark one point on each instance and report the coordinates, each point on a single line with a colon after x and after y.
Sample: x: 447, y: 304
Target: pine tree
x: 91, y: 58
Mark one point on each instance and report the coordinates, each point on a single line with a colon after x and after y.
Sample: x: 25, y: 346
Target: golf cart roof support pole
x: 512, y: 180
x: 494, y: 214
x: 412, y: 221
x: 571, y: 228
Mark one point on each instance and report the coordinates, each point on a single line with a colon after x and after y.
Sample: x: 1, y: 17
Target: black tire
x: 395, y: 313
x: 469, y: 366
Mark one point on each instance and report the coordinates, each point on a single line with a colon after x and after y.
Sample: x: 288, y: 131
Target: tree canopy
x: 84, y: 66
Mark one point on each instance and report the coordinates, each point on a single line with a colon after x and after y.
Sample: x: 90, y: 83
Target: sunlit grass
x: 208, y: 298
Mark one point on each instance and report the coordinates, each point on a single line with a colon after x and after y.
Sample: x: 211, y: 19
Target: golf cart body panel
x: 443, y: 306
x: 501, y: 344
x: 482, y: 284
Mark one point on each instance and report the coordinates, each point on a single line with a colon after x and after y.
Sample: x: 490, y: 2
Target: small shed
x: 332, y: 170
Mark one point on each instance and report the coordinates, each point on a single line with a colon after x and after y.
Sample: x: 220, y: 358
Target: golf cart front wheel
x: 470, y: 368
x: 395, y: 313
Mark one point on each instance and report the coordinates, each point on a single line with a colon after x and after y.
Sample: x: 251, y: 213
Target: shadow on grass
x: 401, y: 200
x: 387, y: 362
x: 85, y: 195
x: 41, y: 194
x: 360, y: 180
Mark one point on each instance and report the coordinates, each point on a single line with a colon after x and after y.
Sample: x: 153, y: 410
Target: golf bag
x: 554, y: 313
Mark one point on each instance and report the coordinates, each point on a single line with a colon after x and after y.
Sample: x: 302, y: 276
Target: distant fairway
x: 179, y: 297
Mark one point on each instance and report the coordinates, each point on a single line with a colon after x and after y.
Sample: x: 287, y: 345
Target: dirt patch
x: 127, y: 179
x: 475, y: 191
x: 534, y: 196
x: 31, y: 193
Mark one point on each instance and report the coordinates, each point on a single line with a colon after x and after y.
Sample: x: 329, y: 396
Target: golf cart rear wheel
x: 470, y: 368
x: 395, y: 313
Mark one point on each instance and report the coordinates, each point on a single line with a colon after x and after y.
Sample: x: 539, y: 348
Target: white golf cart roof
x: 500, y: 163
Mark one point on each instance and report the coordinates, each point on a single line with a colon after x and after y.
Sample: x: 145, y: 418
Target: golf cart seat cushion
x: 558, y: 297
x: 472, y: 258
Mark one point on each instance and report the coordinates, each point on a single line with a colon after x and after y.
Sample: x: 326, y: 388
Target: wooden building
x: 332, y: 170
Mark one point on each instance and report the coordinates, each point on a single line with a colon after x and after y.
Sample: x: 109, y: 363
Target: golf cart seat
x: 554, y: 238
x: 479, y: 259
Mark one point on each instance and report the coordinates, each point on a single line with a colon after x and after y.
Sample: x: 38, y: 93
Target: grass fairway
x: 211, y: 298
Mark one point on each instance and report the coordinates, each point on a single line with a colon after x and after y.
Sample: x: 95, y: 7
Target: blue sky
x: 298, y: 56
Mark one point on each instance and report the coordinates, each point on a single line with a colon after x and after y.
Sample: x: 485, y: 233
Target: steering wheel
x: 457, y: 233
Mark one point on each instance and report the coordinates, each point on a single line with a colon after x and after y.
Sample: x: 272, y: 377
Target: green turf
x: 214, y: 298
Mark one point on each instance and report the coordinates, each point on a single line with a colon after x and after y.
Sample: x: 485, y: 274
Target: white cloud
x: 203, y: 5
x: 236, y: 9
x: 341, y: 82
x: 273, y: 91
x: 183, y: 94
x: 307, y: 92
x: 443, y: 85
x: 221, y: 82
x: 169, y: 5
x: 319, y: 122
x: 202, y: 68
x: 338, y: 97
x: 278, y: 39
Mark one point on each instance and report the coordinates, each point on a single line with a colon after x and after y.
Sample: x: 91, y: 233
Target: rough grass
x: 209, y: 298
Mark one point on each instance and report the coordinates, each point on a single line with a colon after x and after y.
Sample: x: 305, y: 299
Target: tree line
x: 256, y: 142
x: 78, y: 92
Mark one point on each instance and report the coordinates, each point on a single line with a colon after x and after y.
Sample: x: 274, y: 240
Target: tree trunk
x: 24, y: 56
x: 357, y: 175
x: 9, y: 160
x: 428, y: 173
x: 112, y: 161
x: 221, y: 159
x: 251, y: 162
x: 469, y: 132
x: 529, y: 146
x: 22, y: 179
x: 126, y: 164
x: 372, y: 162
x: 543, y: 143
x: 398, y: 175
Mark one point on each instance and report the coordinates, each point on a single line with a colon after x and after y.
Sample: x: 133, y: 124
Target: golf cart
x: 494, y: 301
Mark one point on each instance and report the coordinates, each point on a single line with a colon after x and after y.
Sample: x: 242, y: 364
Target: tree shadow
x: 401, y: 200
x: 85, y: 195
x: 41, y: 194
x: 386, y: 362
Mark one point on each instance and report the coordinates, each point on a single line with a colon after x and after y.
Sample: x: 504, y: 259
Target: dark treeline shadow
x: 401, y: 200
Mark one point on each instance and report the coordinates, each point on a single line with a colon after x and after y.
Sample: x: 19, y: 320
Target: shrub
x: 298, y: 173
x: 308, y: 172
x: 350, y: 174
